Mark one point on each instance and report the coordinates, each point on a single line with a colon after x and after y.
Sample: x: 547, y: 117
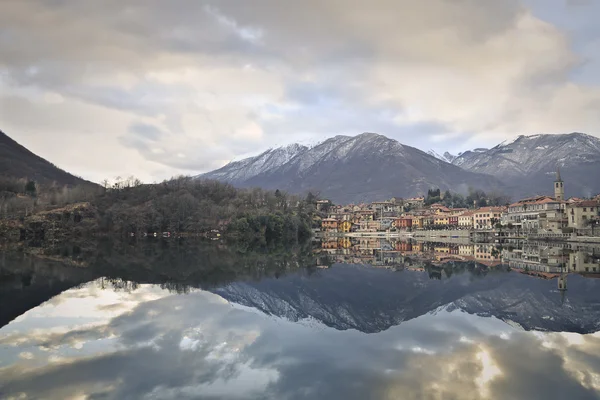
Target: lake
x: 345, y: 320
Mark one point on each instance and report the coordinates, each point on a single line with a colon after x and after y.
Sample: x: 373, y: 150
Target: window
x: 584, y: 209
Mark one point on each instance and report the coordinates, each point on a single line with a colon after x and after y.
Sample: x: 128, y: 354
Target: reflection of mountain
x: 371, y: 300
x: 343, y: 297
x: 27, y: 282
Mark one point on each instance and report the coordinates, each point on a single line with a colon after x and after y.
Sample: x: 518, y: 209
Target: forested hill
x: 18, y: 162
x: 182, y: 206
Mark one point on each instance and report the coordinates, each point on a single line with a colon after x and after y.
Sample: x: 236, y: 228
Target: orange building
x: 329, y: 224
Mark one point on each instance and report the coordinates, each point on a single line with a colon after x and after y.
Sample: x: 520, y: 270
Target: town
x: 538, y: 217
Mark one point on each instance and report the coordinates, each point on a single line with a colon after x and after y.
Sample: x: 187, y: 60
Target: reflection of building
x: 582, y: 214
x: 582, y: 262
x: 544, y: 259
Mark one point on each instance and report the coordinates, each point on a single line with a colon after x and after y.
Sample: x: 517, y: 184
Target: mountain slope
x: 529, y: 163
x: 353, y: 169
x: 18, y: 162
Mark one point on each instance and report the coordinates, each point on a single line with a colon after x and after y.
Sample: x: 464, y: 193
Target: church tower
x: 559, y: 187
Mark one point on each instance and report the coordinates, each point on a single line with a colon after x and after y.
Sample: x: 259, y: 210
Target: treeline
x: 22, y: 197
x: 475, y: 198
x: 186, y: 205
x: 180, y: 206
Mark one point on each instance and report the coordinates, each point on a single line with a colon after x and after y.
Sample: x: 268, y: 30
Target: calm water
x: 172, y: 321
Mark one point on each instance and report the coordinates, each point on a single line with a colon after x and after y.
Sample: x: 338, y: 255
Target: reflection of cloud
x: 180, y: 347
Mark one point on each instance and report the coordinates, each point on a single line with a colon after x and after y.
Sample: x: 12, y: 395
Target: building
x: 581, y: 215
x: 441, y: 220
x: 559, y: 187
x: 439, y: 209
x: 329, y: 225
x: 415, y: 202
x: 526, y: 212
x: 487, y: 217
x: 582, y: 262
x: 466, y: 220
x: 403, y: 223
x: 345, y: 226
x: 323, y: 205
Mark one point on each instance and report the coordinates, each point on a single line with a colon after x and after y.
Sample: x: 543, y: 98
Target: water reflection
x: 283, y: 331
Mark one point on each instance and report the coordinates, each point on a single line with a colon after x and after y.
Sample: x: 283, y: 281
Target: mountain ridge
x: 527, y: 162
x: 521, y: 167
x: 358, y: 168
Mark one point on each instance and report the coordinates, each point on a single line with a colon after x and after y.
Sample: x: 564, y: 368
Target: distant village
x: 540, y: 215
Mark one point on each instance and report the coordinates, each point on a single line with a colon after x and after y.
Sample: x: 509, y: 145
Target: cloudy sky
x: 156, y: 88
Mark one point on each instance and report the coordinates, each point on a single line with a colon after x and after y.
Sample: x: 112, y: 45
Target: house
x: 403, y: 223
x: 344, y: 226
x: 323, y: 205
x: 453, y: 220
x: 526, y: 212
x: 540, y: 212
x: 383, y: 206
x: 329, y: 225
x: 415, y: 202
x: 466, y: 220
x: 439, y: 209
x: 441, y: 220
x: 458, y: 211
x: 487, y: 217
x: 580, y: 215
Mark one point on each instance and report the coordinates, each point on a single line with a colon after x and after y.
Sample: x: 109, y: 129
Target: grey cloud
x: 310, y: 362
x: 147, y: 131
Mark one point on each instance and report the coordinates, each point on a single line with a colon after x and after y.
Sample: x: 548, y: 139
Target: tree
x: 30, y: 188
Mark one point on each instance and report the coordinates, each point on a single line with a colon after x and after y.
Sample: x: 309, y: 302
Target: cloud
x: 223, y: 79
x: 181, y: 346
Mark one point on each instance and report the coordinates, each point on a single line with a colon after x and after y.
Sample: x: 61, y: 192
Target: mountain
x: 372, y: 299
x: 352, y: 169
x: 528, y: 164
x: 447, y: 157
x: 240, y: 171
x: 18, y: 162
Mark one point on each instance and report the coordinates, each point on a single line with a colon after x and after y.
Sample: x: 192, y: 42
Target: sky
x: 156, y: 88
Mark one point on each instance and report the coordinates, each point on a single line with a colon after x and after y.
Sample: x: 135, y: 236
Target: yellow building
x: 441, y: 220
x: 345, y: 226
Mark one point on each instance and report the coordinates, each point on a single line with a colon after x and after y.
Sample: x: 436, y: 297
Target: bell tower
x: 559, y: 186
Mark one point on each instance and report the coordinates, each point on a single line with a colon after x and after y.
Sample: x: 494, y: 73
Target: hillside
x: 18, y: 162
x: 528, y: 164
x: 352, y: 169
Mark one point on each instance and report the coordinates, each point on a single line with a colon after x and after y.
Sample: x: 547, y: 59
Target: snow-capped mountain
x: 352, y: 169
x: 529, y: 163
x: 447, y: 157
x: 372, y: 300
x: 240, y: 171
